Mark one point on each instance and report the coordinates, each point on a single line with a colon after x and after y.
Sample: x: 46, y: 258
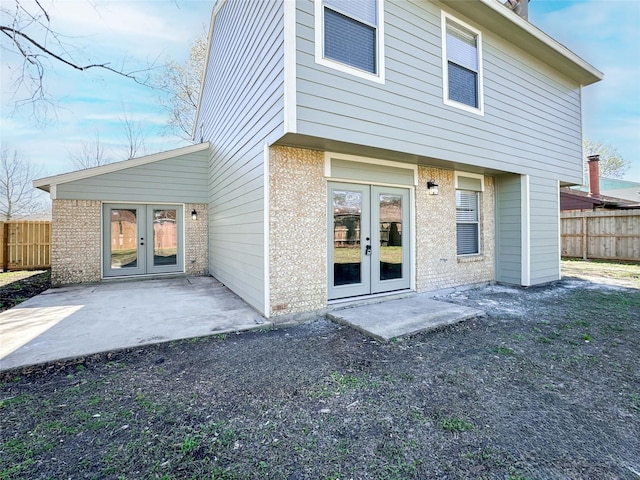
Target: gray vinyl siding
x: 531, y: 123
x: 241, y: 110
x: 544, y: 228
x: 508, y: 229
x: 181, y: 179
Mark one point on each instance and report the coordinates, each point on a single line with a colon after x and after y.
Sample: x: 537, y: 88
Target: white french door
x: 369, y: 245
x: 142, y: 239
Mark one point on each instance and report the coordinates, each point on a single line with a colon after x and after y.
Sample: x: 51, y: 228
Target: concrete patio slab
x: 82, y: 320
x: 403, y: 317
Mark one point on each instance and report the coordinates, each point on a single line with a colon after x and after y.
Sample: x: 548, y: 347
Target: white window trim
x: 327, y: 62
x: 479, y: 176
x: 373, y: 161
x: 477, y: 222
x: 445, y: 67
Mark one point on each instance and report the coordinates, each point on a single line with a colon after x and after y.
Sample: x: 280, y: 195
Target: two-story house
x: 349, y: 148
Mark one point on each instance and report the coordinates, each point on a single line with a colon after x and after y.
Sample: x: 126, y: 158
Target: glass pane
x: 349, y: 41
x: 461, y: 47
x: 361, y: 9
x: 347, y: 254
x: 463, y: 85
x: 390, y: 236
x: 165, y: 238
x: 466, y: 206
x: 124, y: 238
x: 467, y: 240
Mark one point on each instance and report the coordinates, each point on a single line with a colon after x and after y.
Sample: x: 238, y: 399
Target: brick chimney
x: 594, y: 175
x: 521, y: 7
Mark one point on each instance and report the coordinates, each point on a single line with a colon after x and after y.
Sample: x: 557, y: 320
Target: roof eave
x: 214, y: 13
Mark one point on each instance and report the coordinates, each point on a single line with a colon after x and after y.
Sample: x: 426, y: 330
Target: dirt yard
x: 16, y: 287
x: 546, y: 386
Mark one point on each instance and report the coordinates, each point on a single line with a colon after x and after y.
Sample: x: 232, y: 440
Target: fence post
x: 3, y: 246
x: 585, y: 244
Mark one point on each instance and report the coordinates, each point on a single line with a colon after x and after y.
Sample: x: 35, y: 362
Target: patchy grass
x: 603, y: 271
x: 545, y: 386
x: 456, y: 424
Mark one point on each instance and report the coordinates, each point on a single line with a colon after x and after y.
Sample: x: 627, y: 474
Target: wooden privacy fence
x: 603, y: 234
x: 26, y: 245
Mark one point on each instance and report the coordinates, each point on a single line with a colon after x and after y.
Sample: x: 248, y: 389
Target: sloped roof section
x: 45, y: 183
x: 572, y: 199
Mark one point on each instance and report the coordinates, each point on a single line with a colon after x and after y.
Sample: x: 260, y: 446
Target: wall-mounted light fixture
x: 433, y: 187
x: 194, y: 214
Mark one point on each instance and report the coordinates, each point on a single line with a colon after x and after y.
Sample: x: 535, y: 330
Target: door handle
x: 367, y: 250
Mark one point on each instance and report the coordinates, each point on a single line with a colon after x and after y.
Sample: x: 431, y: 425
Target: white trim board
x: 525, y: 225
x: 373, y: 161
x: 290, y: 62
x: 267, y: 233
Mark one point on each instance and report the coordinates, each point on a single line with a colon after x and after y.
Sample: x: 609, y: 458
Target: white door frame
x: 370, y: 264
x: 147, y: 262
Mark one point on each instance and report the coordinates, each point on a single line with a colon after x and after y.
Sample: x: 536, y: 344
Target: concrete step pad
x: 403, y: 317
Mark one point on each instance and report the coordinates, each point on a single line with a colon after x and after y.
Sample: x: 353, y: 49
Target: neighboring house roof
x: 571, y: 199
x: 45, y: 183
x: 609, y: 184
x: 614, y: 187
x: 616, y: 183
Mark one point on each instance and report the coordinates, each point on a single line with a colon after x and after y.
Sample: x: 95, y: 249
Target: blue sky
x: 134, y: 32
x: 606, y: 33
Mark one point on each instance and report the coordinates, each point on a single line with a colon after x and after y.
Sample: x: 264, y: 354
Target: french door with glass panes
x: 142, y: 239
x: 369, y: 246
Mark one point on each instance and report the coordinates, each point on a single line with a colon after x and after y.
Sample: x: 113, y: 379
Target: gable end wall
x: 242, y: 110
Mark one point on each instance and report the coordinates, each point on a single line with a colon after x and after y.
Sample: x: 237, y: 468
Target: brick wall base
x: 196, y: 239
x: 75, y: 241
x: 438, y: 265
x: 76, y: 244
x: 297, y: 231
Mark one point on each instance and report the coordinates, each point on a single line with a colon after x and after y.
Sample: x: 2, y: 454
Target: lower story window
x: 467, y: 222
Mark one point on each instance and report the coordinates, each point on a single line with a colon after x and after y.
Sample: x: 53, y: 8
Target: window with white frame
x: 349, y: 36
x: 467, y: 222
x: 462, y: 65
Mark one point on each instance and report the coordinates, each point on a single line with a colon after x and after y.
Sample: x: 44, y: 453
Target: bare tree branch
x: 135, y: 135
x: 29, y: 34
x: 182, y: 84
x: 611, y: 164
x: 89, y: 154
x: 43, y: 11
x: 33, y: 58
x: 17, y: 195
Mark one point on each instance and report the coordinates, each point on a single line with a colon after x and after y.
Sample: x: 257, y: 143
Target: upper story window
x: 462, y: 65
x: 349, y: 37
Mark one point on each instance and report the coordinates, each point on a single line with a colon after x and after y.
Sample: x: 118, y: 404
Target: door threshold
x: 368, y: 299
x: 146, y: 276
